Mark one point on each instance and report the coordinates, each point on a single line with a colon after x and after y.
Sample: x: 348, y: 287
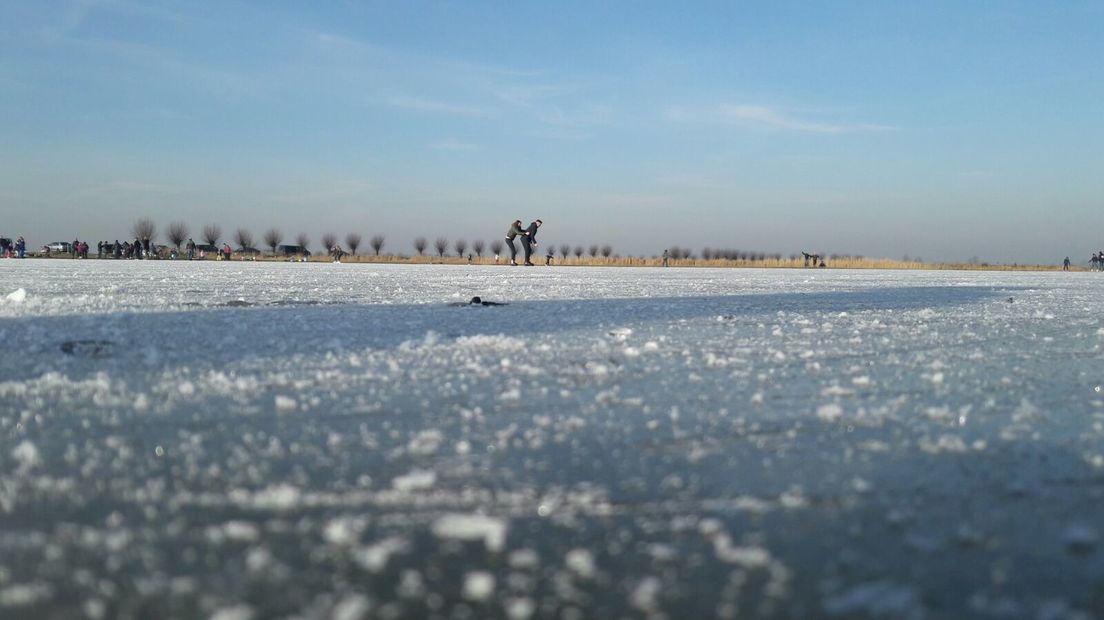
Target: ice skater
x: 529, y: 240
x: 515, y: 230
x: 1066, y: 264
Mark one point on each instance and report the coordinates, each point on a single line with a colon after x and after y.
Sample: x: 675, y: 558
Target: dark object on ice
x: 87, y: 348
x: 1009, y: 300
x: 477, y: 301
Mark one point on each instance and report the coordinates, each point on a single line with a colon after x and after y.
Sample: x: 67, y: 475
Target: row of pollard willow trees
x: 177, y: 233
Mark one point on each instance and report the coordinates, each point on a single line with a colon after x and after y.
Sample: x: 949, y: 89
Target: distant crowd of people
x: 13, y: 249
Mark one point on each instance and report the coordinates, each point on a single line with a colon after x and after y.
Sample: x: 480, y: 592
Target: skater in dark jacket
x: 515, y: 230
x: 529, y: 240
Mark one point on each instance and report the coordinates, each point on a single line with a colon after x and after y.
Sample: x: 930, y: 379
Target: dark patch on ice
x: 307, y: 302
x: 235, y: 303
x: 477, y: 301
x: 87, y: 348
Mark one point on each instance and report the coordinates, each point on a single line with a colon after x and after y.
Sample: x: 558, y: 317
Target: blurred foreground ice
x: 338, y: 441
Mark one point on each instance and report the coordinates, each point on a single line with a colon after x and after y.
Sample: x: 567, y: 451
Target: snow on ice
x: 238, y: 440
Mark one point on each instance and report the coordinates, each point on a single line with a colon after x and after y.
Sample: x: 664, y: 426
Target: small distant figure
x: 226, y: 251
x: 548, y: 258
x: 666, y: 256
x: 1094, y: 262
x: 496, y: 259
x: 190, y: 247
x: 1066, y: 264
x: 807, y: 257
x: 469, y: 258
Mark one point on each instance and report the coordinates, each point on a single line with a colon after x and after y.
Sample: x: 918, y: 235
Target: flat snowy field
x: 257, y: 440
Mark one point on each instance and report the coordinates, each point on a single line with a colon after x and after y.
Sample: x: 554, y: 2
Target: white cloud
x: 765, y: 117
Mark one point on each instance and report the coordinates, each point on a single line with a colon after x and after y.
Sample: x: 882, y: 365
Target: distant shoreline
x: 571, y: 261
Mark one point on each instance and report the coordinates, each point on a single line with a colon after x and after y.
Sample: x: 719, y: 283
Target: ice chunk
x: 490, y: 530
x: 520, y: 608
x: 236, y: 612
x: 285, y: 404
x: 830, y: 412
x: 17, y: 296
x: 416, y: 480
x: 580, y: 562
x: 27, y: 455
x: 351, y: 607
x: 478, y: 586
x: 374, y: 558
x: 277, y: 497
x: 646, y: 594
x: 426, y: 442
x: 342, y: 531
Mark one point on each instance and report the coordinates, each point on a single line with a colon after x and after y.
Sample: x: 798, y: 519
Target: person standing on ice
x: 529, y: 241
x: 1066, y: 264
x: 191, y: 248
x: 515, y: 230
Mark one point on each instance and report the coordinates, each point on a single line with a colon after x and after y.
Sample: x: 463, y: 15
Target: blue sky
x: 944, y: 130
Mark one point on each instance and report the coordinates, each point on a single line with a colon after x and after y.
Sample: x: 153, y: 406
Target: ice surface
x: 243, y: 440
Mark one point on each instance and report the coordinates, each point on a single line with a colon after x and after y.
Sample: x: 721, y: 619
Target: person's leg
x: 528, y: 247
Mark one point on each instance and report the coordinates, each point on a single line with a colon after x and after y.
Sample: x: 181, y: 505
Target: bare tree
x: 592, y: 251
x: 578, y: 251
x: 606, y: 251
x: 377, y: 243
x: 244, y: 238
x: 461, y: 246
x: 420, y: 245
x: 302, y: 240
x: 177, y: 232
x: 144, y: 228
x: 441, y: 244
x: 477, y: 247
x: 212, y: 233
x: 496, y: 247
x: 272, y: 238
x: 353, y: 241
x: 329, y: 240
x: 564, y: 251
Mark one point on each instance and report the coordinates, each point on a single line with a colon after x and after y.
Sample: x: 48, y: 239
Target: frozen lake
x: 256, y: 440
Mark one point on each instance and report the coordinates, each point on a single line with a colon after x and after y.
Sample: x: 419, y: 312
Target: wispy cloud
x: 763, y: 116
x: 118, y: 188
x: 421, y: 104
x: 326, y: 192
x: 555, y: 108
x: 454, y: 145
x: 754, y: 116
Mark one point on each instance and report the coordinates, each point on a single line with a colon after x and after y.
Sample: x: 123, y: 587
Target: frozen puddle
x: 342, y: 441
